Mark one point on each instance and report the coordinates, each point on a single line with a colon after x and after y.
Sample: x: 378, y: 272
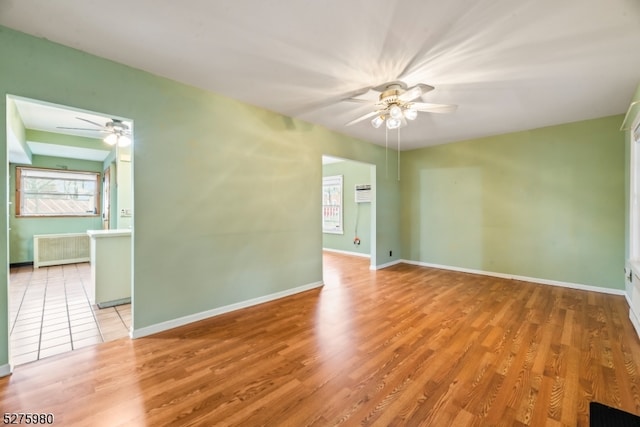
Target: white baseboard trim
x: 5, y: 370
x: 388, y: 264
x: 522, y: 278
x: 181, y: 321
x: 338, y: 251
x: 635, y: 321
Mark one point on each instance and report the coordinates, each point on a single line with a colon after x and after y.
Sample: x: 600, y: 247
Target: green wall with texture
x: 15, y: 129
x: 227, y: 192
x: 546, y: 203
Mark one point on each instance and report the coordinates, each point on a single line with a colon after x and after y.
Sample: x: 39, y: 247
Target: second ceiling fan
x: 117, y: 131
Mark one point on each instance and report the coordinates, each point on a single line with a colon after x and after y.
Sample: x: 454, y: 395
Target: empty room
x: 408, y: 213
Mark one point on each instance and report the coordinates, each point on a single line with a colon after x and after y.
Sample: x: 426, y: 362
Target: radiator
x: 56, y: 249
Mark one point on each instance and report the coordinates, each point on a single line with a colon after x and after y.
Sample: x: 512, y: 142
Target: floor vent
x: 57, y: 249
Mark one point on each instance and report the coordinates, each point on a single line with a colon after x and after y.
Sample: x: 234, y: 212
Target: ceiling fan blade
x: 313, y: 106
x: 358, y: 100
x: 415, y: 92
x: 361, y: 118
x: 433, y: 108
x: 90, y: 121
x: 91, y: 130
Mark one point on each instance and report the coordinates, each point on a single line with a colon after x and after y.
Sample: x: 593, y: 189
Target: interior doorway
x: 69, y: 176
x: 349, y: 207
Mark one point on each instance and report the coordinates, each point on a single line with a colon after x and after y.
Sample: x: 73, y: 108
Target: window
x: 51, y: 192
x: 332, y: 204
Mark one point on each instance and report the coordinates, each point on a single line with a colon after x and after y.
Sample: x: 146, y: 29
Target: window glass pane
x: 57, y: 204
x: 58, y: 186
x: 332, y: 204
x: 57, y: 193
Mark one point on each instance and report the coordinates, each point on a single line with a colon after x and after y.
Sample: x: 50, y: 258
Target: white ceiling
x: 508, y: 64
x: 327, y: 160
x: 44, y: 116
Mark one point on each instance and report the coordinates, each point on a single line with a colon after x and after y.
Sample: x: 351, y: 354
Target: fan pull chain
x: 386, y: 152
x: 398, y: 154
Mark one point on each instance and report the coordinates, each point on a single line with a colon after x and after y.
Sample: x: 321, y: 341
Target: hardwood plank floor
x: 403, y: 346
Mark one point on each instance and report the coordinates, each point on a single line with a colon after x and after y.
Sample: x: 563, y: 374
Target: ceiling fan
x: 117, y: 131
x: 396, y: 104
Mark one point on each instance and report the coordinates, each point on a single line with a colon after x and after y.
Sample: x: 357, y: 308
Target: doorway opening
x: 70, y: 184
x: 349, y: 208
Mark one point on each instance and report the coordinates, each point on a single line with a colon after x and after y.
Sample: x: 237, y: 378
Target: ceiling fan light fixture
x: 124, y: 141
x: 377, y: 121
x: 395, y: 112
x: 117, y: 139
x: 111, y: 139
x: 410, y: 114
x: 393, y: 123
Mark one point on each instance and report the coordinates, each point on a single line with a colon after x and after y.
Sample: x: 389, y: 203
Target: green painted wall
x: 546, y: 203
x: 226, y: 196
x: 353, y: 173
x: 15, y: 126
x: 23, y: 229
x: 69, y: 140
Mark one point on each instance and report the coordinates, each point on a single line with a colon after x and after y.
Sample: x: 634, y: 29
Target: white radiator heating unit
x: 57, y: 249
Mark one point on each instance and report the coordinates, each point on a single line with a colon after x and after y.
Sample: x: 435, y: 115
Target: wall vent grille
x: 363, y: 193
x: 58, y: 249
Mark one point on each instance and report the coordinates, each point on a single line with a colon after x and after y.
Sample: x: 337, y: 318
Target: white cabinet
x: 111, y: 266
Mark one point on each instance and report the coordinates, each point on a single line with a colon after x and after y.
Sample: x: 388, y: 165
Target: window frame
x: 19, y: 201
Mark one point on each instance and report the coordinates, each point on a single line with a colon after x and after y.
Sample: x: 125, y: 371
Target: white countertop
x: 94, y: 234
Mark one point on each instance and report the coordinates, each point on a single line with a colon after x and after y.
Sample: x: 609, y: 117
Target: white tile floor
x: 50, y: 313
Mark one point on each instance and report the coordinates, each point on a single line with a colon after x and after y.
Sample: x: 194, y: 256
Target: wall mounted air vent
x: 363, y: 193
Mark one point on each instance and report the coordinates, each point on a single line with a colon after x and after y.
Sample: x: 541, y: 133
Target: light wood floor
x: 401, y: 346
